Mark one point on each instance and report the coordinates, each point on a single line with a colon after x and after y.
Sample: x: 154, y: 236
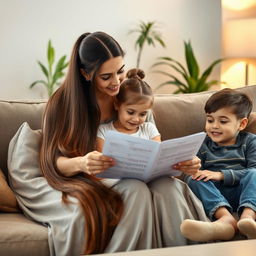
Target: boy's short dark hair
x: 225, y: 98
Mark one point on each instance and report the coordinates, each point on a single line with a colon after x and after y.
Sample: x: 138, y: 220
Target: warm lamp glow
x: 233, y: 73
x: 238, y: 4
x: 239, y: 38
x: 239, y: 41
x: 232, y: 76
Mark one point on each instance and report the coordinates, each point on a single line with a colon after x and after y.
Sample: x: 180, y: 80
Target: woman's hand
x: 95, y: 162
x: 206, y: 175
x: 189, y: 167
x: 92, y: 163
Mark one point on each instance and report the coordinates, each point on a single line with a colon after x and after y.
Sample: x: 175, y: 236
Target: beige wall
x: 26, y: 26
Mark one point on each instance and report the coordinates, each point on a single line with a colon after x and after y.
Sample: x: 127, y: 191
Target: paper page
x: 133, y: 156
x: 176, y: 150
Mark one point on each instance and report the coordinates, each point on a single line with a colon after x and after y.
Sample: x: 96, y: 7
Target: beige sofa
x: 175, y: 115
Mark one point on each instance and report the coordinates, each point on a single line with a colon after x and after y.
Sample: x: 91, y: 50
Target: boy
x: 227, y: 181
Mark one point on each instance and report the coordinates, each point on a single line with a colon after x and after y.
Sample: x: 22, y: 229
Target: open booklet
x: 147, y: 159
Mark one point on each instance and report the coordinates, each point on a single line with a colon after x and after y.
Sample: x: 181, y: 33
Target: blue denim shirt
x: 233, y: 160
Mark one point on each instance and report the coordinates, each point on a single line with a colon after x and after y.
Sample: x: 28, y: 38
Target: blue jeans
x: 214, y: 194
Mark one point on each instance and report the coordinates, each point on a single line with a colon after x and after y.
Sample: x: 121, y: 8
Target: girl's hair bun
x: 135, y: 73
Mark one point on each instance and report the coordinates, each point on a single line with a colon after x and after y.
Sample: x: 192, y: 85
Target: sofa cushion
x: 12, y: 115
x: 251, y: 126
x: 21, y: 236
x: 181, y: 114
x: 8, y: 202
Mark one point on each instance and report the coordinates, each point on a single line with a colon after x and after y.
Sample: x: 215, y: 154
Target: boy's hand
x: 206, y: 175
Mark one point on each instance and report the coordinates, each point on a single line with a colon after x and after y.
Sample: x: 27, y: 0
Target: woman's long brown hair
x: 70, y: 124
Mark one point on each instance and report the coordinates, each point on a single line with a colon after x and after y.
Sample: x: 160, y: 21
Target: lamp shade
x: 239, y: 38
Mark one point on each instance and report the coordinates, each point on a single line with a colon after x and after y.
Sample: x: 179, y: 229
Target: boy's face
x: 223, y: 126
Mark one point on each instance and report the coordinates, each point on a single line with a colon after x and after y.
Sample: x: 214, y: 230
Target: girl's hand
x: 189, y: 167
x: 95, y: 162
x: 206, y: 175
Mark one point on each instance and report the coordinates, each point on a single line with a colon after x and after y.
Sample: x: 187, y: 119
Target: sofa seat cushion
x: 21, y: 236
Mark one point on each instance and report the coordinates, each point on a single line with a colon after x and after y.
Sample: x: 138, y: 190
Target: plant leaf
x: 140, y: 41
x: 176, y: 82
x: 52, y: 78
x: 43, y: 68
x: 191, y: 61
x: 192, y: 84
x: 192, y: 81
x: 159, y: 40
x: 60, y: 65
x: 170, y: 82
x: 170, y: 75
x: 57, y: 76
x: 206, y: 73
x: 213, y: 82
x: 38, y: 82
x: 50, y: 54
x: 184, y: 74
x: 65, y: 65
x: 176, y: 62
x: 147, y: 34
x: 150, y: 41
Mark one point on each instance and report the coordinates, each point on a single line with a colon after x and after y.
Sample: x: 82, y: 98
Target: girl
x: 133, y: 103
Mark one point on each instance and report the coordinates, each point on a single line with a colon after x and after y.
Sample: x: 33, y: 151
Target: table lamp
x: 239, y: 41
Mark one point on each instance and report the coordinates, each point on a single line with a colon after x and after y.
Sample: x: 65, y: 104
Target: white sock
x: 247, y: 227
x: 206, y: 231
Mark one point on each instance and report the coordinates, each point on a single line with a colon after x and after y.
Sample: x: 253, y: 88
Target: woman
x: 102, y: 218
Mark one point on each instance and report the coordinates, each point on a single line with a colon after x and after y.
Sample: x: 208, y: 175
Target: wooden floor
x: 236, y: 248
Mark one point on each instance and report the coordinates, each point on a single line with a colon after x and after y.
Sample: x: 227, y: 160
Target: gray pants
x: 151, y: 219
x: 152, y: 215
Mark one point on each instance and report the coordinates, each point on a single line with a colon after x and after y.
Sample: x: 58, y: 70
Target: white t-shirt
x: 146, y: 131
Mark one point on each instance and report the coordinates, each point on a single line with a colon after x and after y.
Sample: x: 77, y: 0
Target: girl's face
x: 130, y: 117
x: 223, y: 126
x: 109, y: 76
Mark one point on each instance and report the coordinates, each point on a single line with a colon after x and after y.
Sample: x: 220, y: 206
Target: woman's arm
x: 69, y: 166
x: 92, y: 164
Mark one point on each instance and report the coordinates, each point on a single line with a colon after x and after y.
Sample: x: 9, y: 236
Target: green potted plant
x: 147, y: 33
x: 192, y: 80
x: 53, y: 75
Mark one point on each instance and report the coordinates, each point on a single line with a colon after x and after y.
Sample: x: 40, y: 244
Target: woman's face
x: 109, y: 76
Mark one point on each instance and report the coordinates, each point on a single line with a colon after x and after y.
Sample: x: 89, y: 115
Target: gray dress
x: 152, y: 216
